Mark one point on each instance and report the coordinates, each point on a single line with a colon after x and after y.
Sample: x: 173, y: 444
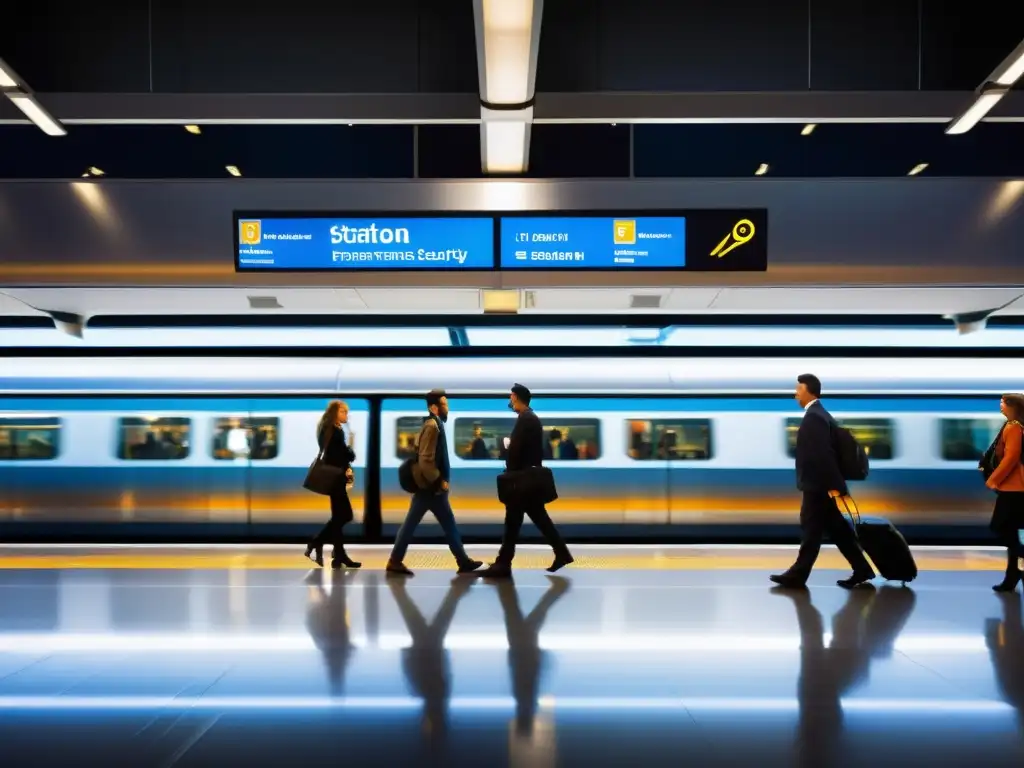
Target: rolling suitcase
x: 884, y: 544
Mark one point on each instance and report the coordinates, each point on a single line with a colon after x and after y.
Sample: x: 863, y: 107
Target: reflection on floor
x: 264, y: 665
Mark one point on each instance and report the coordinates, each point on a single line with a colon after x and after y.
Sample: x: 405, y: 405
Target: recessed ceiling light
x: 233, y: 170
x: 614, y: 124
x: 350, y: 125
x: 195, y: 130
x: 917, y: 169
x: 762, y: 169
x: 95, y: 171
x: 85, y: 175
x: 808, y: 129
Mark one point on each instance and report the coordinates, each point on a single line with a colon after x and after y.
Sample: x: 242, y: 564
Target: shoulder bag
x: 324, y: 478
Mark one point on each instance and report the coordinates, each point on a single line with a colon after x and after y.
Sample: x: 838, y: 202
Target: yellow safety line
x: 440, y: 560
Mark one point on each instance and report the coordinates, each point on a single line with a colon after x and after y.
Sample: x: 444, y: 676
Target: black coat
x: 817, y: 466
x: 526, y: 443
x: 337, y: 453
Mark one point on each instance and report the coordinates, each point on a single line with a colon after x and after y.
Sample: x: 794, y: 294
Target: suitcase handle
x: 850, y: 514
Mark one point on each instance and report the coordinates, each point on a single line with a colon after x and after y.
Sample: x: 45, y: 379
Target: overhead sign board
x: 699, y: 240
x: 330, y: 243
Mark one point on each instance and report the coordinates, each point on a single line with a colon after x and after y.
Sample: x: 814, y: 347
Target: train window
x: 237, y: 437
x: 482, y: 439
x: 877, y: 436
x: 967, y: 439
x: 407, y: 429
x: 565, y: 439
x: 27, y: 438
x: 154, y: 438
x: 669, y: 439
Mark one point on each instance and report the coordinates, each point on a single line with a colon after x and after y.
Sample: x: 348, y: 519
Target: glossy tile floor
x: 245, y: 658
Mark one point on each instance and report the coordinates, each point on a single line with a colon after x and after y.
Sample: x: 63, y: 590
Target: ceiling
x: 269, y: 301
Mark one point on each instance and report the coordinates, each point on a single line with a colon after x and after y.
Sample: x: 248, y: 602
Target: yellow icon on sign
x: 249, y: 232
x: 625, y: 231
x: 741, y: 233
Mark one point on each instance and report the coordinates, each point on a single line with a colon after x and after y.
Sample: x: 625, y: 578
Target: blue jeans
x: 423, y: 502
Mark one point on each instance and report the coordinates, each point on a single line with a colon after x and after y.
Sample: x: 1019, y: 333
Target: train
x: 640, y: 448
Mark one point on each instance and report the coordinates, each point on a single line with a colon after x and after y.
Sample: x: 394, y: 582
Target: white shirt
x: 809, y: 405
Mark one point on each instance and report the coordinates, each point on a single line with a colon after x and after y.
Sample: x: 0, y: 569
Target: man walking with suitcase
x: 820, y: 479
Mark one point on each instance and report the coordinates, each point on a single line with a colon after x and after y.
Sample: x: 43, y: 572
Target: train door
x: 684, y: 443
x: 646, y: 485
x: 276, y: 447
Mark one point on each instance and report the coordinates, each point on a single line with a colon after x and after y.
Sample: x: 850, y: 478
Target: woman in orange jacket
x: 1007, y: 480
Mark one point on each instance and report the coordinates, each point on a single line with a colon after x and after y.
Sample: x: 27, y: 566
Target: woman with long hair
x: 330, y: 437
x: 1002, y: 463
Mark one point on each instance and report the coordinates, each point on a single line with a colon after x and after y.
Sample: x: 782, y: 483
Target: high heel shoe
x: 319, y: 549
x: 1008, y: 584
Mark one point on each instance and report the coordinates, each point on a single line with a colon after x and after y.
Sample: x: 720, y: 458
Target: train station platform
x: 645, y: 655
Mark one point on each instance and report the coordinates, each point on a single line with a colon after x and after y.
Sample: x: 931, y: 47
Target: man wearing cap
x: 525, y: 450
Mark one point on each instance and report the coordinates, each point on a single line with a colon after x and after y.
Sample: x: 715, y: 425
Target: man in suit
x: 822, y: 483
x: 431, y: 472
x: 525, y: 450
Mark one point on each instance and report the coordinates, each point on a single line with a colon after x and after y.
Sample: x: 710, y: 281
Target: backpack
x: 405, y: 478
x: 852, y: 458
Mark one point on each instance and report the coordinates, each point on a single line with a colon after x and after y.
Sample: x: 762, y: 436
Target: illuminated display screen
x: 369, y: 243
x: 699, y: 240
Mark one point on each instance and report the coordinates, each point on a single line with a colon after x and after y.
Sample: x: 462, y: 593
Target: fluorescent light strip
x: 195, y: 130
x: 505, y: 146
x: 762, y: 169
x: 975, y: 112
x: 233, y: 170
x: 917, y: 169
x: 1014, y: 67
x: 37, y: 644
x: 34, y: 112
x: 808, y: 129
x: 500, y: 703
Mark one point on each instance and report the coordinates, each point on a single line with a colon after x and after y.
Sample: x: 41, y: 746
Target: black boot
x: 317, y: 549
x: 341, y: 558
x: 1012, y: 576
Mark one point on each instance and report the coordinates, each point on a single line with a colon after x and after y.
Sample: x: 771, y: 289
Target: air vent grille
x: 264, y: 302
x: 640, y: 301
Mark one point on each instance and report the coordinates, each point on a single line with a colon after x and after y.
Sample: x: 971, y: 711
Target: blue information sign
x: 370, y: 243
x: 591, y: 242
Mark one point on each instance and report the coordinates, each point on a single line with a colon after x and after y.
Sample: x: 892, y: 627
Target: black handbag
x: 533, y: 485
x: 324, y: 478
x: 988, y: 462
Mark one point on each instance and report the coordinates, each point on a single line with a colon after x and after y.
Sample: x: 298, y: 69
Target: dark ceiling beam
x: 265, y: 109
x: 791, y: 107
x: 766, y: 107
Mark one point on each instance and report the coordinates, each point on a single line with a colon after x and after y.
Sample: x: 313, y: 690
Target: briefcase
x: 533, y: 485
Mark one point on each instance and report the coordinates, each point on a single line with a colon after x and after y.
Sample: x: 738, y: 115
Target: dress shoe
x: 560, y: 562
x: 496, y: 571
x: 857, y: 580
x: 398, y: 569
x: 469, y: 566
x: 787, y: 581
